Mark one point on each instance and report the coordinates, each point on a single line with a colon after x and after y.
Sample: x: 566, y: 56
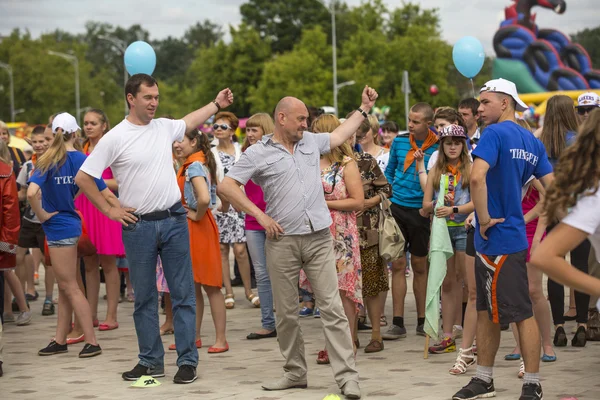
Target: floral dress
x: 232, y: 226
x: 344, y: 231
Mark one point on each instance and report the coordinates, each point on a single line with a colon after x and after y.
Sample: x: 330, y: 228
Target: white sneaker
x: 24, y: 318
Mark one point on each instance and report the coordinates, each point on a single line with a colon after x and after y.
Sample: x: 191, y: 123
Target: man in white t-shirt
x: 139, y: 152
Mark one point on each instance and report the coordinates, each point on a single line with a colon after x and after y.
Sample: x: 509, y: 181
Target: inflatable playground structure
x: 541, y: 62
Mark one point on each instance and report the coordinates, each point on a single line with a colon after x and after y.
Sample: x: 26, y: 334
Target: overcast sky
x: 479, y: 18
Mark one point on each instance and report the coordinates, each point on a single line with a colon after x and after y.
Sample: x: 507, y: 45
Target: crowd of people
x: 154, y: 206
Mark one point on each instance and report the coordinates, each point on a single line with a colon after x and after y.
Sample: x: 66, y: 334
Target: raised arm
x: 196, y: 118
x: 343, y: 132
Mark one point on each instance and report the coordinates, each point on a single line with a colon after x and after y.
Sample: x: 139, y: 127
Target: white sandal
x: 521, y: 369
x: 463, y: 361
x: 254, y: 300
x: 229, y: 301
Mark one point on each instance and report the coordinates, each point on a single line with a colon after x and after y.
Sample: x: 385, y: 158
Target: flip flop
x: 107, y: 327
x: 216, y: 350
x: 512, y: 357
x: 170, y: 331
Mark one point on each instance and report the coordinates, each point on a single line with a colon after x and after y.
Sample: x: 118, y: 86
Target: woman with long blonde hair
x: 257, y: 126
x: 344, y: 195
x: 573, y: 198
x: 51, y: 193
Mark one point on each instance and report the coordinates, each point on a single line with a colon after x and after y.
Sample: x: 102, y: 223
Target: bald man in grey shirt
x: 286, y: 166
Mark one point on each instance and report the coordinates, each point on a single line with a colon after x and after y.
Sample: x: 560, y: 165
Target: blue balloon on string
x: 140, y: 58
x: 468, y: 56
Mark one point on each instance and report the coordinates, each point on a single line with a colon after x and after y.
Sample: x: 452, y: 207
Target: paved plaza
x: 399, y: 372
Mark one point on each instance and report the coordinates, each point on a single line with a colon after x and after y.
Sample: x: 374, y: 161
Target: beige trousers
x: 313, y: 253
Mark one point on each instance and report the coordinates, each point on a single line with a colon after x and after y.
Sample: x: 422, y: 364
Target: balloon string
x: 473, y: 87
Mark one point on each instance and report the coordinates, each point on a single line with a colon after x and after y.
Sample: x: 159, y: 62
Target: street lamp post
x: 121, y: 46
x: 334, y: 57
x: 75, y: 62
x: 8, y: 69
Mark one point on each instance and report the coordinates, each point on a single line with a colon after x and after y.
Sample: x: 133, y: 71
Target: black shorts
x: 31, y: 235
x: 502, y: 287
x: 470, y: 251
x: 415, y: 228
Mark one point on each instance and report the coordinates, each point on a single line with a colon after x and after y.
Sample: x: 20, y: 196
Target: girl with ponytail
x: 197, y: 179
x: 574, y: 198
x: 51, y: 194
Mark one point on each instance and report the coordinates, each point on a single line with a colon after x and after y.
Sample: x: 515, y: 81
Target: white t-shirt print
x: 141, y: 160
x: 585, y: 217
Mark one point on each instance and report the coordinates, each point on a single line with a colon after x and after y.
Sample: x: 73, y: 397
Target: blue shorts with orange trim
x: 502, y: 287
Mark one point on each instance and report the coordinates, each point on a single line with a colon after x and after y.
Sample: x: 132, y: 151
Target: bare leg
x: 541, y: 307
x: 49, y: 281
x: 28, y: 272
x: 17, y: 290
x: 470, y: 326
x: 241, y: 255
x: 113, y: 282
x: 20, y: 269
x: 529, y: 337
x: 399, y: 286
x: 92, y: 283
x: 199, y: 308
x: 64, y: 260
x: 374, y: 305
x: 77, y: 329
x: 38, y: 258
x: 226, y: 268
x: 350, y: 310
x: 168, y: 325
x: 572, y: 312
x: 449, y: 287
x: 219, y: 315
x: 488, y: 339
x: 419, y: 267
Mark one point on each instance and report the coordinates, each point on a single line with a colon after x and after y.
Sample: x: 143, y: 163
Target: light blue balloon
x: 140, y: 58
x: 468, y: 56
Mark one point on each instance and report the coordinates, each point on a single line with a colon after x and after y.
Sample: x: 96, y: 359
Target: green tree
x: 304, y: 72
x: 237, y: 65
x: 589, y: 39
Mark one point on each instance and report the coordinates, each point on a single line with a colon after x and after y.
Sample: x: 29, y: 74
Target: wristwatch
x: 455, y: 210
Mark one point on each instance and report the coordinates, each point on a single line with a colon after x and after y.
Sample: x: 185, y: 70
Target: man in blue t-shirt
x: 407, y: 200
x: 507, y: 155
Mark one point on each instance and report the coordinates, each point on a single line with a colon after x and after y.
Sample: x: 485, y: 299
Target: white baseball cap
x: 507, y: 87
x: 66, y: 121
x: 588, y: 99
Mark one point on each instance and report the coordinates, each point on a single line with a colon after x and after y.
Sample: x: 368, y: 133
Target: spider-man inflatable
x: 540, y: 60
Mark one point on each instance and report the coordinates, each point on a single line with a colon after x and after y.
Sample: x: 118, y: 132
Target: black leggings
x: 556, y: 291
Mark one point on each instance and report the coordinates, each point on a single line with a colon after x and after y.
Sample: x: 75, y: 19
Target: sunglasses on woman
x: 222, y: 126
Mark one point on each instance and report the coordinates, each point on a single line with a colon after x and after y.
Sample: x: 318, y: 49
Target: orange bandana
x: 410, y: 156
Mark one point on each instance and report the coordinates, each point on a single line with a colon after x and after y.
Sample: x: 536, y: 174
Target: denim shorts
x: 458, y: 237
x: 64, y: 242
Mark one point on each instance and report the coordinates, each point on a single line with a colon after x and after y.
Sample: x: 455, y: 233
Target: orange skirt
x: 205, y: 251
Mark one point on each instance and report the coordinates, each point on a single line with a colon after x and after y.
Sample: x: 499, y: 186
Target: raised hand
x: 224, y: 98
x: 369, y: 95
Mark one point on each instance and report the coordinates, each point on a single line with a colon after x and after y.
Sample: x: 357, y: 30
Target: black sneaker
x: 560, y: 337
x: 141, y: 370
x: 476, y: 389
x: 185, y: 374
x: 421, y: 330
x: 90, y: 350
x: 48, y: 308
x: 532, y: 391
x: 52, y: 349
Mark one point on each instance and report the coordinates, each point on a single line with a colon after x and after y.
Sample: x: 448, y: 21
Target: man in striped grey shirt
x: 286, y: 166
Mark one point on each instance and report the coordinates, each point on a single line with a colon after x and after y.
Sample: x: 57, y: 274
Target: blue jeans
x: 168, y: 238
x: 256, y: 246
